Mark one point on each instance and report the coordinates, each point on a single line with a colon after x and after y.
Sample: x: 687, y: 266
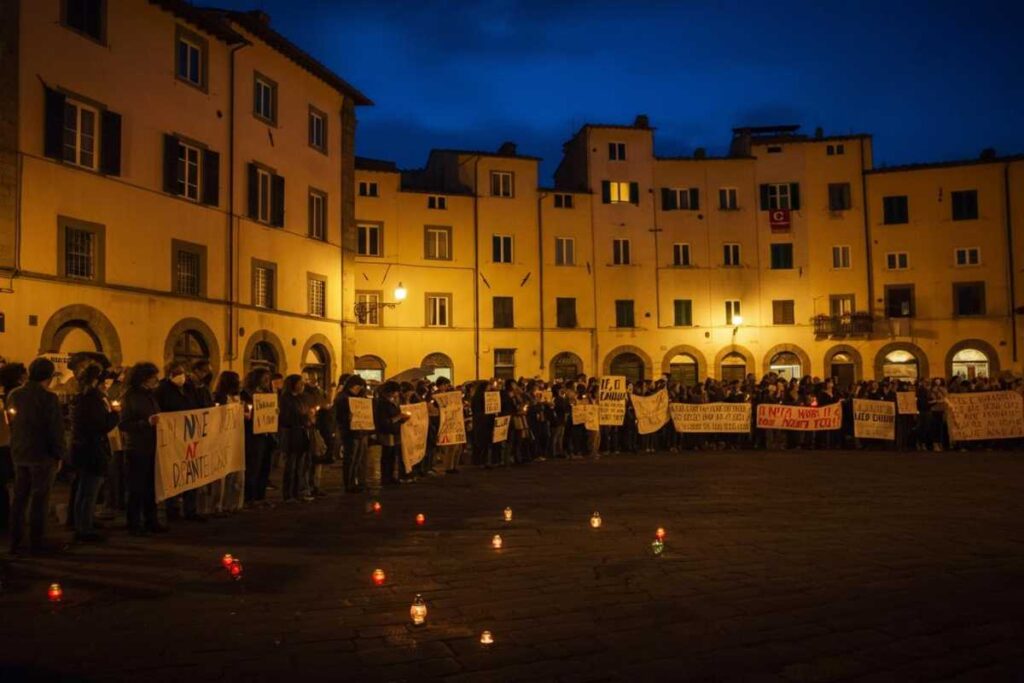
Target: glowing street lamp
x: 418, y: 611
x: 595, y: 520
x: 400, y: 293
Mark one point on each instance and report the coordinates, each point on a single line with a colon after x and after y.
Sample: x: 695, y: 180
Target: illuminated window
x: 618, y: 192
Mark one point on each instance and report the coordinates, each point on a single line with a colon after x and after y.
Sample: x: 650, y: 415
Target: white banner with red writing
x: 198, y: 447
x: 799, y: 418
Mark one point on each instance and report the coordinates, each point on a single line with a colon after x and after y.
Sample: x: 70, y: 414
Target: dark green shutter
x: 606, y: 191
x: 53, y: 133
x: 694, y: 199
x: 211, y: 178
x: 171, y: 152
x: 666, y: 197
x: 254, y: 192
x: 634, y: 193
x: 110, y: 143
x: 764, y: 197
x: 277, y: 201
x: 794, y: 196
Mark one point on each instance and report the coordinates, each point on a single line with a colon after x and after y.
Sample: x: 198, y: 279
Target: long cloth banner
x: 452, y: 427
x: 611, y: 401
x: 197, y: 447
x: 709, y: 418
x: 651, y: 411
x: 414, y: 434
x: 500, y: 428
x: 362, y: 414
x: 799, y: 418
x: 264, y: 413
x: 906, y: 402
x: 874, y: 419
x: 586, y: 414
x: 985, y: 415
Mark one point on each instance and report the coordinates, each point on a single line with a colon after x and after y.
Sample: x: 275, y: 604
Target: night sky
x: 931, y: 79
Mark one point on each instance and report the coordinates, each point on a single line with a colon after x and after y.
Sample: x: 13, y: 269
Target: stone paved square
x: 795, y: 566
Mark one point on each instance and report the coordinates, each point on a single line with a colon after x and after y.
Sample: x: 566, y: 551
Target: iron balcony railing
x: 848, y: 325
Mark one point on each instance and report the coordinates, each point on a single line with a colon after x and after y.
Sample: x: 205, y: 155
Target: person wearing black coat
x: 12, y: 376
x: 258, y: 447
x: 138, y: 424
x: 388, y: 418
x: 354, y: 442
x: 294, y: 423
x: 92, y: 418
x: 175, y: 393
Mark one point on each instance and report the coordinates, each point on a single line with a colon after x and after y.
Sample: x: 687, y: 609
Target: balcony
x: 849, y: 325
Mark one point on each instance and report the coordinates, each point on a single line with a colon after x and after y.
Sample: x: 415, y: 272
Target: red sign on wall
x: 779, y: 220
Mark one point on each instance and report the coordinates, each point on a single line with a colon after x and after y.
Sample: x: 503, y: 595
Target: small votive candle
x: 378, y: 577
x: 486, y: 639
x: 227, y: 560
x: 508, y: 514
x: 496, y: 542
x: 660, y: 534
x: 595, y: 520
x: 55, y: 593
x: 421, y: 519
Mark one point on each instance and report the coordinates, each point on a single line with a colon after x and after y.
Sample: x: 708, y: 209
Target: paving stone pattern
x: 792, y: 566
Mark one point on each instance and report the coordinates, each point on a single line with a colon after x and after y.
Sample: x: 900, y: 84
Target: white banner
x: 874, y: 419
x: 414, y: 434
x: 711, y: 418
x: 501, y: 428
x: 264, y: 413
x: 985, y: 415
x: 651, y: 411
x: 197, y: 447
x: 611, y: 400
x: 906, y: 402
x: 452, y: 429
x: 362, y: 414
x: 586, y: 414
x: 492, y: 402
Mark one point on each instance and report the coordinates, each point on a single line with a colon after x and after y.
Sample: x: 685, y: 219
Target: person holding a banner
x: 295, y: 422
x: 354, y: 442
x: 174, y: 394
x: 388, y: 417
x: 258, y: 446
x: 228, y: 494
x: 449, y: 453
x: 92, y: 418
x: 138, y: 424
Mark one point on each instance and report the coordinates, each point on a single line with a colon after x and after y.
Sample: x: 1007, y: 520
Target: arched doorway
x: 370, y: 368
x: 900, y: 364
x: 263, y: 355
x: 78, y: 328
x: 316, y: 367
x: 628, y: 364
x: 566, y: 366
x: 786, y: 365
x: 843, y: 369
x: 189, y: 340
x: 682, y: 368
x: 438, y: 365
x: 733, y: 367
x: 189, y: 347
x: 970, y: 363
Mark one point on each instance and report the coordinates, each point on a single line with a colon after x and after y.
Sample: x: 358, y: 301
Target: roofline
x: 692, y: 158
x: 480, y: 153
x: 804, y: 138
x: 201, y: 19
x: 376, y: 165
x: 945, y: 164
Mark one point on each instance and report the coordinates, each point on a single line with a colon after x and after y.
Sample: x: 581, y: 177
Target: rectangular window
x: 681, y: 254
x: 501, y: 248
x: 616, y: 151
x: 968, y: 298
x: 563, y: 201
x: 565, y: 310
x: 779, y: 196
x: 437, y: 243
x: 502, y: 184
x: 965, y: 205
x: 681, y: 199
x: 682, y: 312
x: 190, y: 60
x: 899, y: 301
x: 732, y: 312
x: 317, y: 215
x: 263, y: 195
x: 895, y: 210
x: 188, y: 268
x: 368, y: 308
x: 80, y: 134
x: 371, y: 239
x: 968, y: 257
x: 841, y: 304
x: 727, y: 199
x: 263, y: 284
x: 840, y: 257
x: 437, y: 202
x: 565, y: 251
x: 897, y: 260
x: 730, y: 254
x: 317, y: 296
x: 624, y: 313
x: 774, y: 149
x: 79, y: 253
x: 189, y: 164
x: 505, y: 363
x: 85, y: 16
x: 782, y: 312
x: 838, y: 196
x: 620, y: 252
x: 618, y: 192
x: 317, y: 129
x: 439, y: 310
x: 503, y: 314
x: 264, y: 99
x: 831, y: 150
x: 368, y: 188
x: 782, y: 256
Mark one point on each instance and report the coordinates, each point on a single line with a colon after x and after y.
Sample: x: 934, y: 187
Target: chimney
x: 641, y: 121
x: 260, y: 16
x: 508, y: 149
x: 741, y: 142
x: 819, y: 132
x: 700, y: 153
x: 988, y: 154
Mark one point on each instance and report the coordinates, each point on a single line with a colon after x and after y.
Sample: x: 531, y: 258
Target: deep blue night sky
x: 931, y: 79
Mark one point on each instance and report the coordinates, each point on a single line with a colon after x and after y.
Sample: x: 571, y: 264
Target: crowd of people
x: 98, y: 433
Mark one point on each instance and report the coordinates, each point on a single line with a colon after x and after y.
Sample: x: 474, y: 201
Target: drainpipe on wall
x: 476, y: 265
x: 231, y: 348
x: 1009, y: 259
x: 540, y: 271
x: 867, y: 236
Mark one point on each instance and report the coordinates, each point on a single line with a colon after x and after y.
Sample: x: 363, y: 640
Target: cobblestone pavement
x: 796, y: 566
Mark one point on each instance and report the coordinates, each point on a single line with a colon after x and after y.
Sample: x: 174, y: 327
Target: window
x: 730, y: 254
x: 439, y: 310
x: 503, y: 315
x: 840, y: 257
x: 437, y: 243
x: 188, y: 171
x: 565, y: 251
x: 368, y: 188
x: 681, y: 254
x: 782, y: 256
x: 188, y: 268
x: 968, y: 298
x: 264, y: 99
x: 897, y: 260
x: 565, y: 311
x: 437, y: 202
x: 505, y: 363
x: 624, y: 313
x: 732, y: 311
x: 832, y: 150
x: 616, y: 151
x: 838, y: 196
x: 899, y: 301
x: 85, y: 16
x: 782, y: 312
x: 263, y: 195
x: 895, y: 210
x: 727, y: 200
x: 502, y: 184
x: 965, y: 205
x: 263, y: 284
x: 840, y: 305
x: 80, y: 134
x: 780, y: 196
x: 191, y: 66
x: 774, y: 149
x: 316, y: 295
x: 620, y: 252
x: 501, y: 248
x: 79, y: 254
x: 563, y: 201
x: 317, y: 129
x: 620, y: 192
x: 682, y: 312
x: 368, y: 308
x: 317, y: 215
x: 370, y: 239
x: 682, y: 199
x: 968, y: 257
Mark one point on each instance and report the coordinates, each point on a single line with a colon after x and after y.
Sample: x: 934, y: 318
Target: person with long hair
x: 354, y: 442
x: 12, y: 376
x: 258, y: 447
x: 294, y: 424
x: 92, y: 418
x: 139, y: 415
x: 227, y: 493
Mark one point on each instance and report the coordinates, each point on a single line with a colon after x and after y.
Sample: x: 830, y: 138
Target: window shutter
x: 694, y: 199
x: 211, y: 178
x: 666, y: 200
x: 110, y: 143
x: 254, y: 192
x: 764, y: 197
x: 54, y: 124
x: 634, y: 193
x: 606, y: 191
x: 794, y: 196
x: 277, y: 201
x: 171, y: 151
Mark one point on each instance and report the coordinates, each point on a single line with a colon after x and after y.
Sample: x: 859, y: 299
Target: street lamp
x: 737, y: 320
x: 364, y: 309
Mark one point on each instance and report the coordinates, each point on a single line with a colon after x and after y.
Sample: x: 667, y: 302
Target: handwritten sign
x: 492, y: 402
x: 711, y: 418
x: 586, y: 414
x: 799, y: 418
x: 501, y: 428
x: 414, y: 434
x: 452, y: 427
x: 197, y: 447
x: 651, y: 411
x: 362, y: 414
x: 985, y: 415
x: 874, y: 419
x: 611, y: 400
x: 546, y: 396
x: 906, y: 402
x: 264, y: 413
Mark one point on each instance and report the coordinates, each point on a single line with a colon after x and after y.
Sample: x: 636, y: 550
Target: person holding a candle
x: 139, y: 415
x: 354, y: 442
x: 294, y: 424
x: 92, y: 418
x: 12, y: 376
x: 388, y: 417
x: 258, y: 447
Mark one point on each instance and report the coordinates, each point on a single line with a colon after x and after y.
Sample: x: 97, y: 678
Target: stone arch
x: 922, y: 358
x: 203, y: 330
x: 274, y: 341
x: 88, y: 319
x: 693, y: 352
x: 733, y: 348
x: 805, y: 360
x: 332, y: 358
x: 983, y: 346
x: 854, y: 354
x: 438, y: 360
x: 565, y: 356
x: 626, y: 348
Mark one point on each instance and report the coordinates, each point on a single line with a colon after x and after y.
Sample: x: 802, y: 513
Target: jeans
x: 257, y: 461
x: 85, y: 502
x: 296, y: 477
x: 354, y: 462
x: 32, y: 484
x: 141, y: 491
